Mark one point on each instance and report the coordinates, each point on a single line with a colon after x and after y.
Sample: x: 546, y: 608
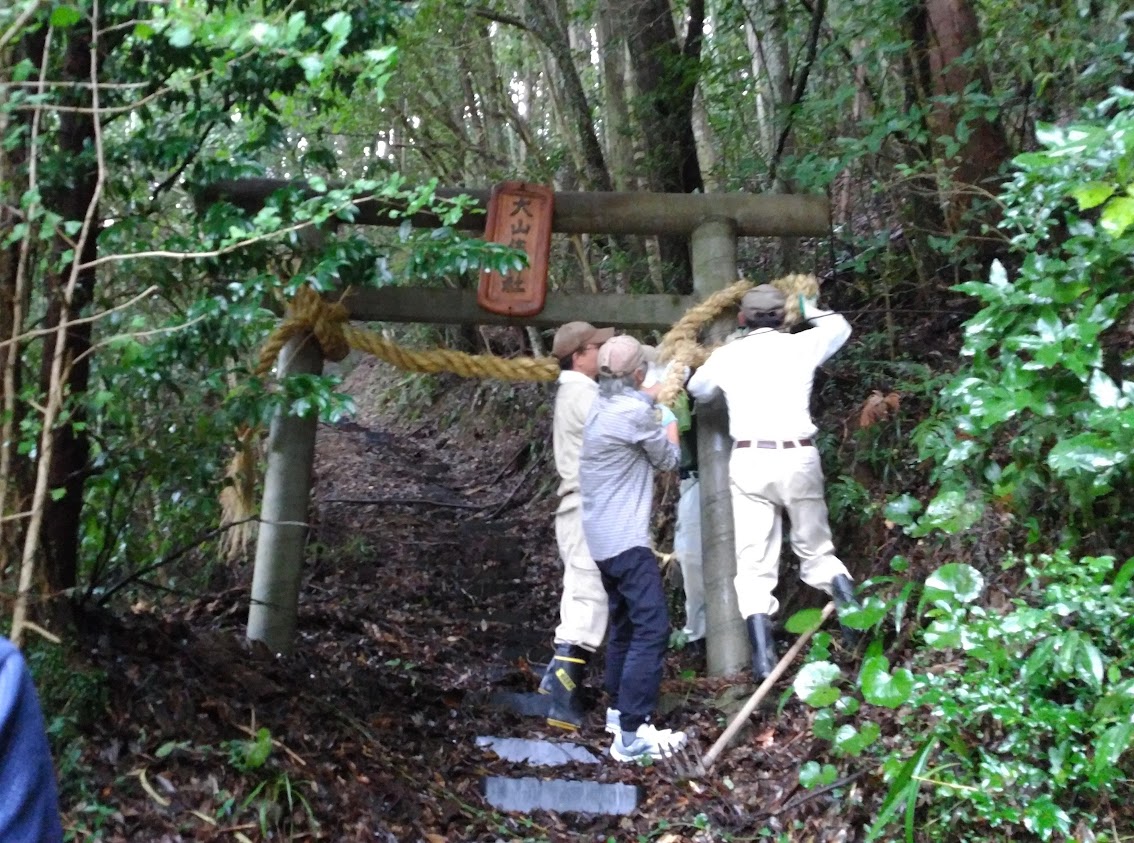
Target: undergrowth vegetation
x: 1015, y: 710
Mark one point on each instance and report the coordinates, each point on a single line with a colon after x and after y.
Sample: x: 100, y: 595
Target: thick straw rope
x: 329, y: 322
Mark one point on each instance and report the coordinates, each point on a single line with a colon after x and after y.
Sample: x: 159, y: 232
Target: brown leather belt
x: 768, y: 443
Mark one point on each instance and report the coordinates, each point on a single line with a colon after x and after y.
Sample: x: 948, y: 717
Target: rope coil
x: 329, y: 323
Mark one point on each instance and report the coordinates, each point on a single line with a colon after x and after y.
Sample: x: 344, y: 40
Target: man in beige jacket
x: 583, y: 607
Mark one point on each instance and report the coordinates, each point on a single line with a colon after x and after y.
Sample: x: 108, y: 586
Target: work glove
x: 654, y: 374
x: 667, y: 416
x: 809, y: 309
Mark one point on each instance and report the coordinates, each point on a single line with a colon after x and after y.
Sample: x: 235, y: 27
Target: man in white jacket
x: 583, y: 608
x: 766, y: 377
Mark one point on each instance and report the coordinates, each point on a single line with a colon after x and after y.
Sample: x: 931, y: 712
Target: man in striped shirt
x: 623, y: 443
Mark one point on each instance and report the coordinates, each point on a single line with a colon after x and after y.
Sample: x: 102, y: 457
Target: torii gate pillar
x: 283, y: 512
x: 727, y: 651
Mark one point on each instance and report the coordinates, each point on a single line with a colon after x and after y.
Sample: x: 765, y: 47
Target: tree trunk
x: 497, y: 108
x: 843, y: 212
x: 924, y: 211
x: 71, y: 449
x: 15, y: 478
x: 947, y: 31
x: 706, y: 151
x: 767, y: 36
x: 616, y: 125
x: 547, y: 25
x: 665, y: 84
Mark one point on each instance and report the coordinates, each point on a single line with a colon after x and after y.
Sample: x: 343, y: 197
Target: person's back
x: 622, y: 447
x: 29, y: 804
x: 767, y: 377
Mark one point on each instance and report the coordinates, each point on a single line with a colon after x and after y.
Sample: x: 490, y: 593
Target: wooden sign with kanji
x: 519, y: 215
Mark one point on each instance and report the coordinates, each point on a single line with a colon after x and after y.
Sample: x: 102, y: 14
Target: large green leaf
x: 1088, y: 453
x: 814, y: 684
x: 852, y: 741
x: 952, y: 510
x: 812, y: 775
x: 1091, y: 194
x: 902, y: 510
x: 1118, y: 215
x: 803, y: 620
x: 1112, y: 745
x: 881, y: 687
x: 956, y: 581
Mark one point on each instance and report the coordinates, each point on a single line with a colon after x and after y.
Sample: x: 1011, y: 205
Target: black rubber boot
x: 763, y: 646
x: 547, y: 683
x: 548, y: 680
x: 565, y: 676
x: 842, y: 590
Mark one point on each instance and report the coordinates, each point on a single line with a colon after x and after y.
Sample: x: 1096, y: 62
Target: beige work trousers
x: 765, y: 484
x: 584, y: 606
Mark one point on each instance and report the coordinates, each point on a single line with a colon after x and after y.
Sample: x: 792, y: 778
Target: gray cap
x: 620, y: 356
x: 762, y: 299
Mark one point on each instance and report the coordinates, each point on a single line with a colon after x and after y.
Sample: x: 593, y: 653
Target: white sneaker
x: 647, y: 742
x: 614, y: 721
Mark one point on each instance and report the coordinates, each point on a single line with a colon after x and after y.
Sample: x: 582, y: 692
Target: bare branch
x: 499, y: 17
x: 19, y: 23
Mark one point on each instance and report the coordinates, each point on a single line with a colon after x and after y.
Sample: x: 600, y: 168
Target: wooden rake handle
x: 781, y: 667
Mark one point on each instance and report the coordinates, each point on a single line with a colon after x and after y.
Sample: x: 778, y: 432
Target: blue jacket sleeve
x: 29, y: 802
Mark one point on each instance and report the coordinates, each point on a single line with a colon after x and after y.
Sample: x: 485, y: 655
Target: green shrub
x: 1039, y: 421
x: 1014, y: 722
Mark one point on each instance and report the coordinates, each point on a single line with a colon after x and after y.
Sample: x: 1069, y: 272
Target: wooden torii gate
x: 712, y: 222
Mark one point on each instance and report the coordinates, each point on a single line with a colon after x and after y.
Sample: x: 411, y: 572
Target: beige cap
x: 621, y: 356
x: 574, y: 335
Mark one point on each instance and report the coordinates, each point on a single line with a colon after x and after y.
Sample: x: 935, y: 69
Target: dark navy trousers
x: 639, y: 633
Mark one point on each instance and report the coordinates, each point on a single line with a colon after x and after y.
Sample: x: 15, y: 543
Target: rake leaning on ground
x: 686, y: 762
